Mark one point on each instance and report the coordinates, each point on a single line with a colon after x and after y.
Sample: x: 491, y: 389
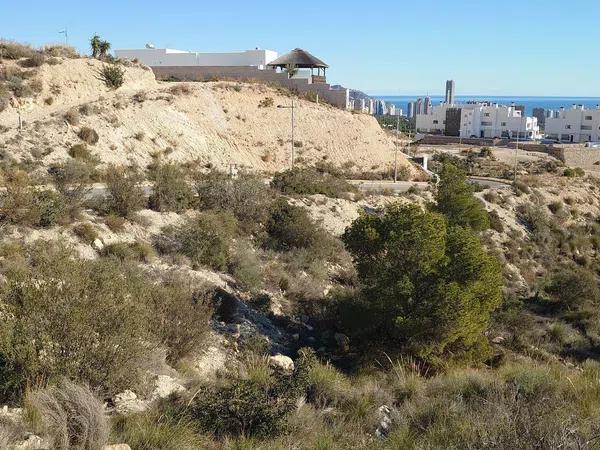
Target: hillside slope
x: 217, y: 123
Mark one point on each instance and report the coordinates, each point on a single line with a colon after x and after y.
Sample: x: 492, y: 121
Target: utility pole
x: 396, y: 150
x: 293, y: 126
x: 66, y: 33
x: 517, y: 152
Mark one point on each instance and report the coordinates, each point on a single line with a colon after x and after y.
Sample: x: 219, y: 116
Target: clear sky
x: 493, y: 47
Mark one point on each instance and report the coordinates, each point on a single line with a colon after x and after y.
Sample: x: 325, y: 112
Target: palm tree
x: 104, y: 48
x: 95, y: 45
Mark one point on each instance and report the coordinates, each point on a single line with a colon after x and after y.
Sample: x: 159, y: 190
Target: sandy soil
x: 216, y: 124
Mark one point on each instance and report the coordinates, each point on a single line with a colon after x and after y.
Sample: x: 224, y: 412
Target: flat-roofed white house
x: 478, y: 119
x: 249, y: 65
x: 155, y: 57
x: 575, y: 124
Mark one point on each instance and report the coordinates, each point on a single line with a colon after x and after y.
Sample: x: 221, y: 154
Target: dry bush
x: 115, y: 223
x: 80, y: 151
x: 86, y: 232
x: 134, y: 251
x: 72, y: 117
x: 14, y: 50
x: 112, y: 75
x: 204, y: 239
x: 35, y: 60
x: 180, y: 89
x: 88, y: 135
x: 125, y: 194
x: 171, y: 191
x: 70, y: 415
x: 60, y: 51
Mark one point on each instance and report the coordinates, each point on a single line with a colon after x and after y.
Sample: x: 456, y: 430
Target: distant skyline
x: 497, y: 48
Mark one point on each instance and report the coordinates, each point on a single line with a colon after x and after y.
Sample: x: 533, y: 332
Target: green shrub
x: 88, y: 135
x: 289, y: 227
x: 571, y: 173
x: 485, y: 152
x: 171, y: 191
x: 427, y: 288
x: 204, y: 239
x: 158, y: 430
x: 573, y: 288
x: 246, y: 197
x: 134, y: 251
x: 85, y: 320
x: 72, y: 180
x: 70, y: 415
x: 125, y: 194
x: 244, y: 265
x: 21, y: 204
x: 253, y: 406
x: 454, y: 198
x: 308, y: 181
x: 112, y: 75
x: 183, y: 320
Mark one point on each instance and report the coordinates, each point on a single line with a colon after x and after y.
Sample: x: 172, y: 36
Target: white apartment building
x: 481, y: 120
x: 575, y: 124
x: 156, y: 57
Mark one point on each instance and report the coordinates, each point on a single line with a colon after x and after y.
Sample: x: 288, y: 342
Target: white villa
x: 575, y: 124
x: 480, y: 120
x: 157, y: 57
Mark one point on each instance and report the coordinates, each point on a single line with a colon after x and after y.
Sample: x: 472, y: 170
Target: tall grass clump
x: 70, y: 415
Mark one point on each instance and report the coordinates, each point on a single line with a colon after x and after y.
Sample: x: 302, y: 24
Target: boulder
x: 164, y: 386
x: 282, y: 362
x: 128, y: 402
x: 98, y: 244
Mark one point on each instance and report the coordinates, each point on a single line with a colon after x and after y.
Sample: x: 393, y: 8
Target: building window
x: 435, y: 122
x: 586, y: 127
x: 486, y: 124
x: 588, y: 117
x: 568, y: 127
x: 565, y: 137
x: 487, y: 114
x: 503, y: 124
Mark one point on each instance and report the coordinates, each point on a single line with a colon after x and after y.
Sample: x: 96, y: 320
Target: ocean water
x: 529, y: 102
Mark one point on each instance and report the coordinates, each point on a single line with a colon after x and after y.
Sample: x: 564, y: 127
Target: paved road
x: 403, y: 186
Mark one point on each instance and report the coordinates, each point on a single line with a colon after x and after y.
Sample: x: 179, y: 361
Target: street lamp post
x: 292, y: 107
x: 517, y: 150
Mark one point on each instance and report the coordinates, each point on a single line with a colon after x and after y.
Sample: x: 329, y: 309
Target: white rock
x: 117, y: 447
x: 128, y: 402
x: 98, y: 244
x: 284, y: 362
x: 165, y: 386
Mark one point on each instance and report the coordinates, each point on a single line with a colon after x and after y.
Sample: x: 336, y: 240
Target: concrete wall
x: 339, y: 98
x: 578, y: 156
x: 169, y: 57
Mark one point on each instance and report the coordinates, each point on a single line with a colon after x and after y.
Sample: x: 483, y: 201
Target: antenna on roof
x: 150, y: 45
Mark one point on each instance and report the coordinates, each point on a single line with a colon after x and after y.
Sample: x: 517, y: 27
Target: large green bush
x: 93, y: 321
x: 454, y: 198
x: 289, y: 227
x: 247, y: 197
x: 171, y: 192
x: 125, y: 193
x: 307, y: 181
x: 205, y: 239
x: 428, y: 288
x: 255, y: 405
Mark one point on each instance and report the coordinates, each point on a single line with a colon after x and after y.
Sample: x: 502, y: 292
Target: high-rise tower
x: 450, y: 92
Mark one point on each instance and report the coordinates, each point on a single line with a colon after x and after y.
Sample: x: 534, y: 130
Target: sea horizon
x: 529, y: 102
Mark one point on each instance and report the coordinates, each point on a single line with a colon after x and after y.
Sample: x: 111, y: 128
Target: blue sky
x: 494, y: 47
